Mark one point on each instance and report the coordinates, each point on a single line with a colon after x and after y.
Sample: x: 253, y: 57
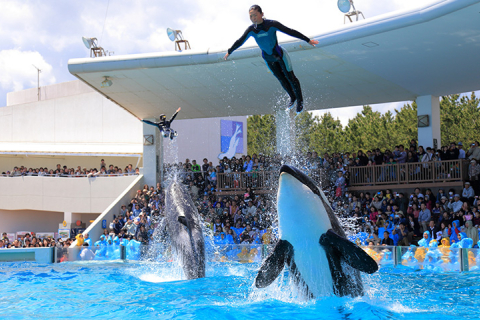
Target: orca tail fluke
x: 272, y: 266
x: 352, y: 254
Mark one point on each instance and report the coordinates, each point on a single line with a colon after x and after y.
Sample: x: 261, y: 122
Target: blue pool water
x: 116, y: 290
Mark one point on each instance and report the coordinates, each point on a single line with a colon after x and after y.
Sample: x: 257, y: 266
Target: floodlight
x: 344, y: 5
x: 106, y: 83
x: 172, y: 34
x: 92, y: 44
x: 177, y: 37
x: 89, y: 42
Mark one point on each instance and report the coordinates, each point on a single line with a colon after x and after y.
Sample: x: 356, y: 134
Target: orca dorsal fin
x: 352, y: 254
x: 272, y: 266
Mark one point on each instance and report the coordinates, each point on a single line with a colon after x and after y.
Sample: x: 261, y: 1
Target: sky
x: 46, y: 34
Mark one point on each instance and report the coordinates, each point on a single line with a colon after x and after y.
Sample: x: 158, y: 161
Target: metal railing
x: 412, y: 172
x: 260, y: 180
x: 89, y: 175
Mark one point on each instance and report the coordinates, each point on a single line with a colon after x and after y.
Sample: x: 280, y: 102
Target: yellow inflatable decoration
x: 445, y: 250
x: 420, y: 254
x: 471, y: 259
x: 372, y: 253
x: 244, y: 255
x: 80, y: 239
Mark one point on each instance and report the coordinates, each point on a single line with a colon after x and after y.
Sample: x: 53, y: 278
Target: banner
x: 64, y: 233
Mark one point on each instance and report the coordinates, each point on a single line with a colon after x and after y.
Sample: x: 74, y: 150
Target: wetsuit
x: 276, y: 57
x: 164, y: 126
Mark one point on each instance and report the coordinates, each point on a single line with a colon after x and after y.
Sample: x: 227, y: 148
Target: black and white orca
x: 312, y: 243
x: 183, y: 224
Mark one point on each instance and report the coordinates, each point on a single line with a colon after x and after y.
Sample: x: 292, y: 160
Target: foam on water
x: 149, y: 290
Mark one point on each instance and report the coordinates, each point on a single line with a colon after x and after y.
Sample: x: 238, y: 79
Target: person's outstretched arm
x: 174, y: 115
x: 294, y: 33
x: 149, y: 122
x: 239, y: 42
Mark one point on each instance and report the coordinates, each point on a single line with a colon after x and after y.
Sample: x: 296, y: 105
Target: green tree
x: 459, y: 120
x: 261, y: 134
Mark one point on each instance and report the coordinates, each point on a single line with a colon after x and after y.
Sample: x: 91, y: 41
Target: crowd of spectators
x: 64, y: 171
x: 248, y: 217
x: 31, y: 240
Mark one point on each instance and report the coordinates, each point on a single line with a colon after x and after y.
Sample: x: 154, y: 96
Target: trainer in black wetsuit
x: 164, y: 125
x: 276, y: 58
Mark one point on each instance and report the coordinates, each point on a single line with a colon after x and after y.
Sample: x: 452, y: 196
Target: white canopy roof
x: 395, y: 57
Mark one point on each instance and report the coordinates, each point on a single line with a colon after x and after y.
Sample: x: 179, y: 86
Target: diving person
x: 164, y: 125
x: 276, y: 58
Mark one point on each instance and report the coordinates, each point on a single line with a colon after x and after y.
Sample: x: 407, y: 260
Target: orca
x: 312, y: 243
x: 184, y: 228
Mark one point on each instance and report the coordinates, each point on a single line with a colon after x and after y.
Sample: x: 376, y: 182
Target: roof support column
x: 152, y: 155
x: 285, y: 124
x: 429, y: 127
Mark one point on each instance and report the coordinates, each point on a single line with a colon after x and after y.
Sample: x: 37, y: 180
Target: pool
x: 146, y: 290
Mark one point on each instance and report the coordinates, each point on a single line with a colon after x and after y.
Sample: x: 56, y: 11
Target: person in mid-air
x: 276, y: 58
x: 164, y: 125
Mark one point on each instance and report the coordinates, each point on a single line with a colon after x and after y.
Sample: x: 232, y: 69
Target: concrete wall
x: 73, y: 121
x: 80, y: 195
x: 30, y: 220
x: 95, y: 229
x: 50, y: 92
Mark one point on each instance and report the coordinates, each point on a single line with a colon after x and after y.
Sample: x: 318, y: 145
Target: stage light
x: 177, y: 37
x: 345, y: 6
x: 92, y: 44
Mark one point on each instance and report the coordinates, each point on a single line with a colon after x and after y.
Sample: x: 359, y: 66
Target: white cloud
x: 17, y: 70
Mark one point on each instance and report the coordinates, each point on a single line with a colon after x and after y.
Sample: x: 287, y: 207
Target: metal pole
x: 38, y: 81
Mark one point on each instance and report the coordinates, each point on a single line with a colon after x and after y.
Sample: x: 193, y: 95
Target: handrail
x: 259, y: 180
x: 90, y: 175
x: 410, y: 172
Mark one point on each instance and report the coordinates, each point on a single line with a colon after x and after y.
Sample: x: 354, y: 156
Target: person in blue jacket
x: 277, y: 59
x: 425, y: 241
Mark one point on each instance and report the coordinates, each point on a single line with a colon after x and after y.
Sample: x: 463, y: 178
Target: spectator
x: 424, y: 216
x: 386, y: 241
x: 468, y: 194
x: 474, y: 152
x: 402, y: 156
x: 130, y: 228
x: 340, y: 184
x: 455, y: 204
x: 404, y: 236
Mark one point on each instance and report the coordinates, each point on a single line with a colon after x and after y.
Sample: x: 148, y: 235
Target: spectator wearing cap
x: 468, y: 194
x: 474, y: 151
x: 130, y: 227
x: 461, y: 152
x: 455, y: 204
